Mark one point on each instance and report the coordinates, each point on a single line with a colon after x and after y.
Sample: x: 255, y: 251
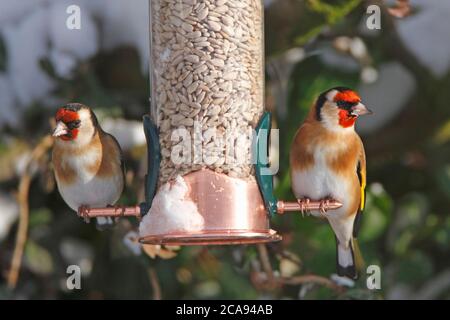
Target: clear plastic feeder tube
x: 207, y: 80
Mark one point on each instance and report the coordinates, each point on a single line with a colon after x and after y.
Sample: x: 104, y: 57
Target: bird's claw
x: 83, y: 212
x: 303, y: 203
x: 324, y: 205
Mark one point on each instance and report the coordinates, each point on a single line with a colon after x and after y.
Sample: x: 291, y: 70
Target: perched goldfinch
x: 327, y: 161
x: 88, y: 163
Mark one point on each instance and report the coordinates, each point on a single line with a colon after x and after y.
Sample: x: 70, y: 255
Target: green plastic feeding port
x: 154, y: 160
x: 261, y: 152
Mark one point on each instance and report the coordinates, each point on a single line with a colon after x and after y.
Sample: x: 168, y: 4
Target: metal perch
x: 284, y: 206
x: 113, y: 212
x: 135, y: 211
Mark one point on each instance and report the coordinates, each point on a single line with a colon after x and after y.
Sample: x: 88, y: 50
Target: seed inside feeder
x: 207, y: 69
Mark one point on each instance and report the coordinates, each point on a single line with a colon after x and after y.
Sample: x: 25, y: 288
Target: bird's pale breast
x: 331, y: 174
x: 90, y: 178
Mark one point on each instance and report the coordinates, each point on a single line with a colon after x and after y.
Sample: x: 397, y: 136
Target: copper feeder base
x: 232, y: 209
x: 224, y: 237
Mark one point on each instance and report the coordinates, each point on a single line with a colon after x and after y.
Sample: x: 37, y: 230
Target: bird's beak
x: 360, y: 110
x: 60, y: 130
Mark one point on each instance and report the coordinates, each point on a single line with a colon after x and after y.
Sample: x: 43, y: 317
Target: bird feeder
x: 208, y: 178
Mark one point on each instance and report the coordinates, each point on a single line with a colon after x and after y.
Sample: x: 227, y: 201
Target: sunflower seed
x: 208, y: 79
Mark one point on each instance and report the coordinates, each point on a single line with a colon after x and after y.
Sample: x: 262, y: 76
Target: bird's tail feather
x: 104, y: 223
x: 349, y: 259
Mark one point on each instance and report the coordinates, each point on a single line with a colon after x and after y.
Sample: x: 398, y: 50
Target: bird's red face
x: 67, y: 124
x: 349, y: 107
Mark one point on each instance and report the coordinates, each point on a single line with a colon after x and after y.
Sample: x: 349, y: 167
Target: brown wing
x: 300, y: 158
x: 119, y: 150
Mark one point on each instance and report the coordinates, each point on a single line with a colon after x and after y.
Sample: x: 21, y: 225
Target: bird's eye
x: 73, y: 124
x: 345, y: 104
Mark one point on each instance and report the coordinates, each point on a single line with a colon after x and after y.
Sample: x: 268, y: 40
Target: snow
x: 63, y: 63
x: 128, y: 133
x: 77, y: 252
x: 81, y: 43
x: 8, y: 111
x: 171, y: 211
x: 426, y: 34
x: 128, y: 25
x: 26, y: 45
x: 33, y: 30
x: 13, y: 10
x: 9, y: 212
x: 342, y: 281
x: 131, y: 243
x: 71, y: 44
x: 387, y: 96
x: 22, y: 162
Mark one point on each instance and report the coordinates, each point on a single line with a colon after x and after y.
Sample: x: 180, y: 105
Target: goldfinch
x: 327, y: 161
x: 87, y: 161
